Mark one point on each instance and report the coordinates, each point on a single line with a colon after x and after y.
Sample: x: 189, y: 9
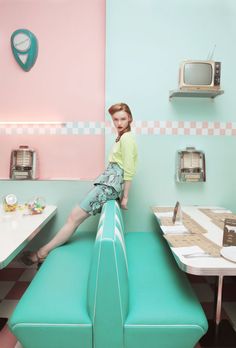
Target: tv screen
x: 197, y: 74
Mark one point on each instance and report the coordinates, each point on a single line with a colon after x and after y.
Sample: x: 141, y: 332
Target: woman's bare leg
x: 76, y: 217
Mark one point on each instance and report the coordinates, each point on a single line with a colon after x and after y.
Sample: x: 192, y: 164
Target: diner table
x: 200, y: 263
x: 18, y: 228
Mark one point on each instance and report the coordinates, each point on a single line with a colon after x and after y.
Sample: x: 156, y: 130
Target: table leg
x: 220, y: 333
x: 218, y: 300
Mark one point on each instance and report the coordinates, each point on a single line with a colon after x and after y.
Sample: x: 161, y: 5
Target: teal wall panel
x: 145, y: 42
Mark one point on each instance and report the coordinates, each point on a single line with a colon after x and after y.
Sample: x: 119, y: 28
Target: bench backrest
x: 108, y: 280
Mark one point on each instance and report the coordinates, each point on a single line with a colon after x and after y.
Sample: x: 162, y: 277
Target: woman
x: 109, y: 185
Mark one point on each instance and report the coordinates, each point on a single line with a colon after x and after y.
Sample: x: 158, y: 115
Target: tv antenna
x: 211, y: 53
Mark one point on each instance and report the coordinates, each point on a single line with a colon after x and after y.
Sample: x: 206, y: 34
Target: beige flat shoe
x: 29, y: 258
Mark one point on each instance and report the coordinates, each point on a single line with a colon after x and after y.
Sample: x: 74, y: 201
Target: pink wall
x: 66, y: 84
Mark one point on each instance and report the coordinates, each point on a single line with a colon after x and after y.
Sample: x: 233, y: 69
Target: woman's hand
x: 124, y: 199
x: 124, y: 202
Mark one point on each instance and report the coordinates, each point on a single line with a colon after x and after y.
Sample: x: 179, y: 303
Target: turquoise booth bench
x: 109, y: 290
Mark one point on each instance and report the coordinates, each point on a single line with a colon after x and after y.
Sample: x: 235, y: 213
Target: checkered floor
x: 15, y: 278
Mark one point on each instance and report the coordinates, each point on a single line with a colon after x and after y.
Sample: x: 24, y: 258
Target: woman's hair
x: 121, y: 107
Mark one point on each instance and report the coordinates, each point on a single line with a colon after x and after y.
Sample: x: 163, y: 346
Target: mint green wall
x: 64, y: 194
x: 146, y: 41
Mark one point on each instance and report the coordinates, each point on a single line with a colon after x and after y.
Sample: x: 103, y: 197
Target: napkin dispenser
x: 190, y: 165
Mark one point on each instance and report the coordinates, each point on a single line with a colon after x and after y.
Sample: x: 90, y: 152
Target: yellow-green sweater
x: 125, y: 154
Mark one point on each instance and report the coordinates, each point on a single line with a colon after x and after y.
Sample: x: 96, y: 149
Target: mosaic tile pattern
x: 15, y: 279
x: 197, y: 128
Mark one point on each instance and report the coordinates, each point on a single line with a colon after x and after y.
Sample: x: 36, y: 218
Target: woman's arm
x: 129, y: 160
x: 124, y: 199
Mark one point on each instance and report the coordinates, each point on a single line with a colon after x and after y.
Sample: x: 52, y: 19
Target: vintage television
x: 199, y: 75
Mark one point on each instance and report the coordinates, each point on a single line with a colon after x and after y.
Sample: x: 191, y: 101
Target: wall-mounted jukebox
x: 190, y: 166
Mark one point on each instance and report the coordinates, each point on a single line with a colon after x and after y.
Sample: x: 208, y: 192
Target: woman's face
x: 121, y: 120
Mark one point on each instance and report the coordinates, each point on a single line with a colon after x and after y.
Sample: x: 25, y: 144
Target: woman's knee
x: 77, y: 216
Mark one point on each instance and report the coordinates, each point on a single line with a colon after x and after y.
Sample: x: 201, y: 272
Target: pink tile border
x: 168, y: 127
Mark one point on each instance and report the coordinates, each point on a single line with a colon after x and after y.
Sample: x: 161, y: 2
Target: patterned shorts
x: 95, y: 198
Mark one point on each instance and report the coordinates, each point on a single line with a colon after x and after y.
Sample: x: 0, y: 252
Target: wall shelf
x: 177, y: 93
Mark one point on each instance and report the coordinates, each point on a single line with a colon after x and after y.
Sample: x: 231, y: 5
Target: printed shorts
x: 94, y: 200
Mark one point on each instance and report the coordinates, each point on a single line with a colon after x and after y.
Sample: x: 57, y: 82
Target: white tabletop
x: 17, y: 229
x: 205, y: 265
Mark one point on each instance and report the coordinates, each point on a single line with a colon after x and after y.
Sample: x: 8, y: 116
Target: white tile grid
x: 150, y: 127
x: 193, y: 131
x: 187, y: 124
x: 150, y: 124
x: 144, y: 130
x: 156, y: 130
x: 168, y: 131
x: 180, y: 131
